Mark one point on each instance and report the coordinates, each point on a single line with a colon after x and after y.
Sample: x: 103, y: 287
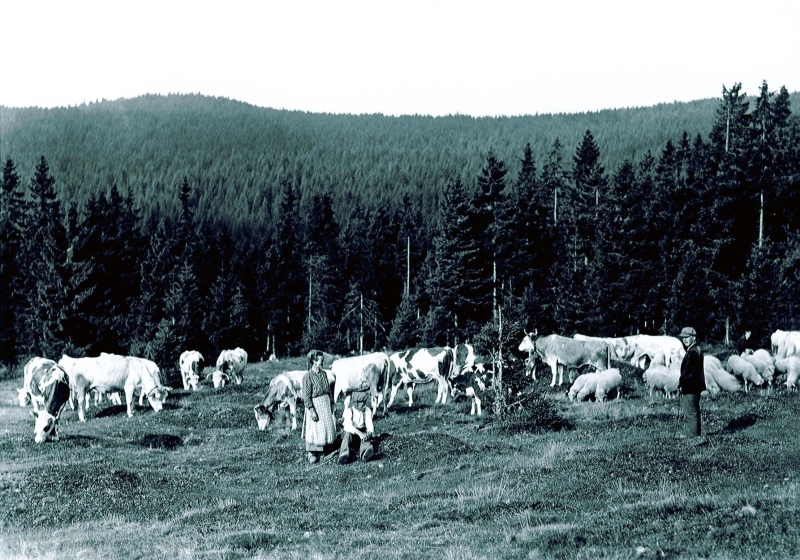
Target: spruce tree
x: 44, y: 253
x: 12, y: 229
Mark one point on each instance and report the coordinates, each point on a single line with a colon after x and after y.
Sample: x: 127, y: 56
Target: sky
x: 395, y: 57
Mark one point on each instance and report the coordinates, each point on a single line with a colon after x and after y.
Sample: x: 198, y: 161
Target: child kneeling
x: 357, y: 418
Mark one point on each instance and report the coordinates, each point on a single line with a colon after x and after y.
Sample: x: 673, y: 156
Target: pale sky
x: 428, y: 57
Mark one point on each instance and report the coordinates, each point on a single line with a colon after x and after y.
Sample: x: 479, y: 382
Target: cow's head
x: 218, y: 378
x: 193, y: 380
x: 24, y: 396
x: 43, y: 426
x: 263, y: 416
x: 157, y: 396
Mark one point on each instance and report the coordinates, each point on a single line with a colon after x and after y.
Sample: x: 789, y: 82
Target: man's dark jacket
x: 693, y: 379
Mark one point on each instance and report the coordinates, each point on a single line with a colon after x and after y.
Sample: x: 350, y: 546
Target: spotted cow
x: 189, y: 363
x: 49, y: 388
x: 232, y: 362
x: 423, y: 365
x: 473, y: 383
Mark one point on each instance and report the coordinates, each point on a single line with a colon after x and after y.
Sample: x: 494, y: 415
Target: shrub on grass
x: 531, y: 412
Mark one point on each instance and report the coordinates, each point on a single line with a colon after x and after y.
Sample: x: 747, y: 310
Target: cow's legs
x: 293, y: 412
x: 129, y: 399
x: 441, y: 392
x: 80, y: 399
x: 554, y: 368
x: 393, y: 394
x: 410, y: 391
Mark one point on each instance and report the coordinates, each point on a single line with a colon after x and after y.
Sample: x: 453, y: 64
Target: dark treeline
x: 207, y: 224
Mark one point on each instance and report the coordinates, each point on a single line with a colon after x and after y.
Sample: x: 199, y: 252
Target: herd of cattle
x: 49, y: 386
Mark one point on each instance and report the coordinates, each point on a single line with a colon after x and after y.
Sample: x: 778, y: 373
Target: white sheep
x: 717, y: 378
x: 583, y: 386
x: 744, y: 369
x: 608, y: 380
x: 791, y: 367
x: 661, y: 377
x: 764, y: 363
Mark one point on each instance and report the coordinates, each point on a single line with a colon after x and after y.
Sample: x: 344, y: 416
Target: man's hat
x: 687, y: 331
x: 359, y: 397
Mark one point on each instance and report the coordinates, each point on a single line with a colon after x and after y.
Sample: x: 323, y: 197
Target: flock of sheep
x: 756, y: 368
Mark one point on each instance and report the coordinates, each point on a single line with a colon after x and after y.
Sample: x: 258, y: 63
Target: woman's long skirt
x: 323, y: 432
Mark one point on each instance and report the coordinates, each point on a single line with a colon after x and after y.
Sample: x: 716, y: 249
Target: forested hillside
x: 236, y: 156
x: 152, y: 225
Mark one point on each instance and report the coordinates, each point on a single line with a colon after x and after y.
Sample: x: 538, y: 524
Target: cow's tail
x: 608, y: 356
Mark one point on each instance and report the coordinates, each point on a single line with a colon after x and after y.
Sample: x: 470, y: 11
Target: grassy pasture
x: 198, y: 480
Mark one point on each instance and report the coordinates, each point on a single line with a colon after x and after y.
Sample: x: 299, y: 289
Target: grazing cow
x: 785, y: 344
x: 473, y: 384
x: 232, y: 361
x: 424, y: 365
x: 24, y: 393
x: 530, y: 362
x: 190, y: 368
x: 145, y: 376
x: 643, y: 348
x: 620, y: 347
x: 558, y: 351
x: 109, y: 373
x: 49, y: 390
x: 791, y: 367
x: 359, y: 373
x: 218, y: 379
x: 285, y: 391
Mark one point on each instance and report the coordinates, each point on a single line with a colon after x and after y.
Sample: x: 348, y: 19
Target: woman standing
x: 319, y: 425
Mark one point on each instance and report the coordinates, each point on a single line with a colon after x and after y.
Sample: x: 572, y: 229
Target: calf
x: 473, y: 384
x: 285, y: 391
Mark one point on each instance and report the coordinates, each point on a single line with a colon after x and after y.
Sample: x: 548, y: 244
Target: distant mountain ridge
x: 236, y: 155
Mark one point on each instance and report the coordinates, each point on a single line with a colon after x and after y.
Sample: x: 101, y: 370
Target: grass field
x: 605, y: 480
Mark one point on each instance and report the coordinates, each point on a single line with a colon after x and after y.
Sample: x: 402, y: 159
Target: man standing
x: 692, y: 382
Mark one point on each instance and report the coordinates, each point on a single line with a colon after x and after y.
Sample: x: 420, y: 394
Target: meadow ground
x: 561, y: 480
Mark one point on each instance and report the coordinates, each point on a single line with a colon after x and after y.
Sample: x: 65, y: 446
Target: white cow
x: 645, y: 347
x: 785, y: 344
x: 562, y: 353
x: 109, y: 373
x: 359, y: 373
x: 620, y: 347
x: 190, y: 368
x: 233, y: 362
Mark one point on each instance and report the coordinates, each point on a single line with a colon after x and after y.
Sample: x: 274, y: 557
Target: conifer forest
x: 158, y: 224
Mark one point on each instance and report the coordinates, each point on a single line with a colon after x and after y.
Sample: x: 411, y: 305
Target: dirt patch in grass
x: 160, y: 441
x: 423, y: 448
